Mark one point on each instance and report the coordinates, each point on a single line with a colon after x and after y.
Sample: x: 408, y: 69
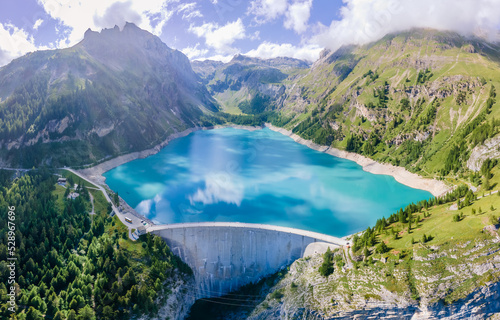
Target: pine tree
x: 326, y: 267
x: 366, y: 252
x: 86, y: 313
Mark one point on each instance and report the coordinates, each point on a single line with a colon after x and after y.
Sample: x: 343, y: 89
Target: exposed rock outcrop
x: 356, y: 294
x: 490, y: 149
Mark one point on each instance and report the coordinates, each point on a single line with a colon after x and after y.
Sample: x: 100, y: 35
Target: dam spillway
x: 224, y: 256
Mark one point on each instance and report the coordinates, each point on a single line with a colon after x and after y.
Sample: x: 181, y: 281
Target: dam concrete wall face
x: 224, y: 258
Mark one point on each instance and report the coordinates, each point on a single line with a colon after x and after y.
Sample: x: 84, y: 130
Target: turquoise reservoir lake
x: 257, y: 177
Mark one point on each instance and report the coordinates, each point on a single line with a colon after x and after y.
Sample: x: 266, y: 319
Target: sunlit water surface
x: 257, y: 177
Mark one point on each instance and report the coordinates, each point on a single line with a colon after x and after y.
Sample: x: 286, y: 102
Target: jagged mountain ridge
x: 116, y: 91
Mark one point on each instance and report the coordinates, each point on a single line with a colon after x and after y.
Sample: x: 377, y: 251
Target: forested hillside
x: 115, y: 92
x: 71, y: 265
x: 421, y: 99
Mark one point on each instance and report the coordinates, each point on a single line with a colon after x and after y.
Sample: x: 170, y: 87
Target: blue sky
x: 218, y: 29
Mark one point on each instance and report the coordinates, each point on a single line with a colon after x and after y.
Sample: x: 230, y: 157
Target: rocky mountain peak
x: 130, y: 35
x: 131, y: 49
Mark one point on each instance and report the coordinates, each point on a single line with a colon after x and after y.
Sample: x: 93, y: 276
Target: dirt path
x: 347, y: 257
x: 92, y: 201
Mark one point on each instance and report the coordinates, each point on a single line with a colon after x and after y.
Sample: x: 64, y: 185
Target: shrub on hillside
x: 326, y: 267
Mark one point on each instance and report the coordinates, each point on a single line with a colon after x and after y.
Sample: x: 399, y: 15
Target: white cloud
x: 37, y: 24
x: 80, y: 15
x: 186, y: 7
x: 192, y: 14
x: 217, y: 57
x: 194, y: 52
x: 189, y: 11
x: 268, y: 50
x: 267, y: 10
x: 364, y: 21
x: 117, y: 14
x: 255, y: 36
x: 14, y: 42
x: 220, y: 38
x: 298, y: 15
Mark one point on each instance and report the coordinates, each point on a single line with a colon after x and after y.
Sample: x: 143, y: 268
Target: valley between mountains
x: 420, y: 105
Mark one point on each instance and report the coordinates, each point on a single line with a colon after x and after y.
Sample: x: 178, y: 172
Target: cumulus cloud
x: 78, y: 16
x: 194, y: 52
x: 297, y: 16
x: 117, y: 14
x: 364, y: 21
x: 216, y: 57
x: 220, y: 38
x: 267, y: 10
x: 37, y: 24
x: 14, y: 42
x: 266, y: 50
x: 296, y: 13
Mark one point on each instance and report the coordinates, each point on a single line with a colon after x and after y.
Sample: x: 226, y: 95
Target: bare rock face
x: 469, y: 48
x: 490, y: 149
x: 176, y: 299
x: 363, y: 293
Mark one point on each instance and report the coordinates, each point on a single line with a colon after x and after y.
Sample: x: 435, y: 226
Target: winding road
x: 136, y: 221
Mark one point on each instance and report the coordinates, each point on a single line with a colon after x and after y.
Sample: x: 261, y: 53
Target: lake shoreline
x: 400, y: 174
x: 96, y: 172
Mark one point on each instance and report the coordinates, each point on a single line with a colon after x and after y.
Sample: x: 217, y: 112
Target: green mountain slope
x: 437, y: 263
x: 114, y: 92
x: 250, y: 85
x: 421, y: 99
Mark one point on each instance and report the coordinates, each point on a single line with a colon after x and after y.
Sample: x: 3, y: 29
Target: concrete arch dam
x: 227, y: 255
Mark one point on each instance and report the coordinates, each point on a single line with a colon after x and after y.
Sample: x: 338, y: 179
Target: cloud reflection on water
x: 235, y: 175
x: 219, y: 187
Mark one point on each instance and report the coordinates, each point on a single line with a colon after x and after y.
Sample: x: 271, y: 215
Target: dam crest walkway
x: 311, y: 234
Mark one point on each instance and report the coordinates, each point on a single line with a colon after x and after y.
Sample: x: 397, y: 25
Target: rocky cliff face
x: 489, y: 150
x: 176, y: 300
x: 465, y: 288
